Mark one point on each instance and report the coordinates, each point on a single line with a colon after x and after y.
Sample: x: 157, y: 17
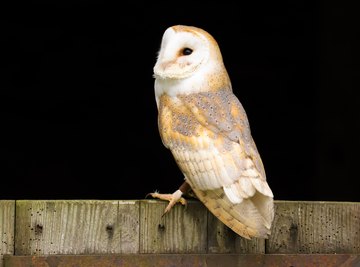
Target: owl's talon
x: 150, y: 194
x: 172, y: 198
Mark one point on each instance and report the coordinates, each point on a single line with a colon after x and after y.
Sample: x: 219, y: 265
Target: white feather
x: 250, y: 173
x: 232, y: 196
x: 262, y: 187
x: 247, y: 186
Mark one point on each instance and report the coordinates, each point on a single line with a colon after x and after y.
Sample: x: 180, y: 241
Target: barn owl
x: 207, y: 131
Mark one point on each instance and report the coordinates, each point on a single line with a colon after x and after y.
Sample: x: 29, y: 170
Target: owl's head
x: 184, y: 50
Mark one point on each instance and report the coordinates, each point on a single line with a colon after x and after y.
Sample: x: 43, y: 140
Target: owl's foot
x: 172, y: 198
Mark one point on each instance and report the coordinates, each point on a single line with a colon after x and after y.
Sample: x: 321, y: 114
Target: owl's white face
x: 181, y: 54
x: 189, y: 61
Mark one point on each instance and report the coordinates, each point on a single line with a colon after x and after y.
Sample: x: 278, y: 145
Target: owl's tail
x: 250, y: 218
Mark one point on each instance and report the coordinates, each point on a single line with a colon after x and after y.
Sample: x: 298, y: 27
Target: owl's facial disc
x: 181, y: 54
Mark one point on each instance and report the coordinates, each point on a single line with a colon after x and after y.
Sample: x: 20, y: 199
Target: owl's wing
x: 224, y: 160
x: 226, y: 131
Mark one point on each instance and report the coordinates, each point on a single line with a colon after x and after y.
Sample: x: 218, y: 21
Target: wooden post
x: 315, y: 227
x: 7, y: 219
x: 102, y: 227
x: 76, y: 227
x: 180, y: 231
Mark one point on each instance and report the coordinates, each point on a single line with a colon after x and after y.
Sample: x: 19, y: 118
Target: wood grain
x: 75, y: 227
x: 7, y: 219
x: 179, y: 231
x: 315, y: 227
x: 45, y: 227
x: 128, y: 226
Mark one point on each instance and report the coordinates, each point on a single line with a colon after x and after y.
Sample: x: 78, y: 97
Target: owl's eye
x: 186, y: 51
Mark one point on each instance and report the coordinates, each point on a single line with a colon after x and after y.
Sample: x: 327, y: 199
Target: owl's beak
x: 157, y: 72
x: 163, y: 69
x: 160, y: 70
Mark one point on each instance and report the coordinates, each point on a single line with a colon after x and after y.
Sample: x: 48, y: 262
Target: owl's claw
x: 172, y: 198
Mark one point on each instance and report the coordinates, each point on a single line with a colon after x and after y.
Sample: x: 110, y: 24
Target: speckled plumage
x: 206, y: 128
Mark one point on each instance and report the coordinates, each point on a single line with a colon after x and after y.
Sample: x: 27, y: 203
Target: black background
x: 78, y: 112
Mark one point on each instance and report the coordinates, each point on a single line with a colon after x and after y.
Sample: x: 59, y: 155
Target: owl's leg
x: 174, y: 197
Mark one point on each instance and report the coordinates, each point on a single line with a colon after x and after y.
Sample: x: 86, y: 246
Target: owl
x: 206, y: 129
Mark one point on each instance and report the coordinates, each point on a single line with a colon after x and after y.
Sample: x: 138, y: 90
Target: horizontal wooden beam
x: 94, y: 227
x: 45, y: 227
x: 186, y: 260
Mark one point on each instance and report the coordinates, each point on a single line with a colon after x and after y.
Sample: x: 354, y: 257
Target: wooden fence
x: 43, y: 228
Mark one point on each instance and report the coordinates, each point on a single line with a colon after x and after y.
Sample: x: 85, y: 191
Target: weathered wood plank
x: 315, y: 227
x: 7, y: 219
x: 95, y: 226
x: 46, y: 227
x: 179, y: 231
x: 186, y: 260
x: 128, y: 227
x: 221, y: 239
